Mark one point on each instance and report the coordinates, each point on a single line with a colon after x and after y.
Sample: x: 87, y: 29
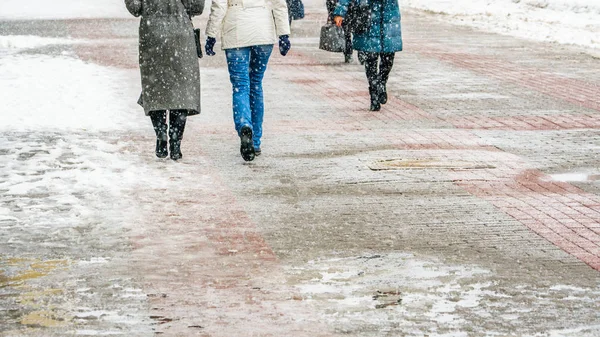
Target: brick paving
x: 317, y: 148
x: 253, y: 248
x: 561, y: 213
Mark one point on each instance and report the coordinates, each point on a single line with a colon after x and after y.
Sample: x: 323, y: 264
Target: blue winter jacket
x: 385, y: 34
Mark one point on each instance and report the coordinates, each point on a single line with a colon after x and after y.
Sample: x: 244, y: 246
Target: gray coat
x: 168, y: 58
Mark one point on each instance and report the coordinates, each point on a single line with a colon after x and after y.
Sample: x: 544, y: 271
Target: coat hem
x: 191, y: 111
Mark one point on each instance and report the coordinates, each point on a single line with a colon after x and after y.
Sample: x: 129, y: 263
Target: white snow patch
x: 563, y: 21
x: 97, y: 314
x: 367, y: 290
x: 62, y: 9
x: 5, y: 215
x: 98, y: 333
x: 574, y: 177
x: 104, y: 315
x: 584, y: 331
x: 95, y: 260
x: 133, y: 293
x: 567, y: 287
x: 21, y: 42
x: 41, y: 92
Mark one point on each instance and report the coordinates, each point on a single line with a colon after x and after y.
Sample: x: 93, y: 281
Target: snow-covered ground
x: 564, y: 21
x: 450, y: 295
x: 61, y: 9
x: 66, y: 126
x: 65, y: 172
x: 63, y: 122
x: 63, y: 93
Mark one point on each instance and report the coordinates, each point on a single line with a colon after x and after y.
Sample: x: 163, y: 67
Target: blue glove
x: 210, y: 44
x: 284, y: 44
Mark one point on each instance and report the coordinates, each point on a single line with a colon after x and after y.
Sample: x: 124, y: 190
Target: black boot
x: 387, y: 62
x: 361, y: 58
x: 159, y: 122
x: 374, y: 93
x: 382, y: 93
x: 371, y: 69
x: 177, y: 119
x: 247, y: 147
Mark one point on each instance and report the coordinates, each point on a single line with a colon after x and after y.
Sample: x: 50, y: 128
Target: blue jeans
x: 247, y: 67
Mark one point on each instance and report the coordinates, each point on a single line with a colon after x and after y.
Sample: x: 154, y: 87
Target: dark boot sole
x: 176, y: 156
x: 161, y: 150
x: 383, y: 98
x: 247, y: 146
x: 175, y: 150
x: 375, y: 107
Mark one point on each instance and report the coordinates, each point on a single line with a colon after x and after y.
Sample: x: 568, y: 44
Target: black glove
x: 210, y: 44
x: 284, y: 44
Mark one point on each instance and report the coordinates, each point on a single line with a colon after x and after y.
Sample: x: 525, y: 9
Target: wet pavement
x: 468, y: 206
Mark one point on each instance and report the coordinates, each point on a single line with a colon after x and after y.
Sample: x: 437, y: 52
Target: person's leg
x: 385, y: 67
x: 238, y: 62
x: 348, y: 51
x: 371, y: 60
x: 177, y: 120
x: 259, y: 59
x: 159, y: 122
x: 330, y: 8
x: 289, y: 5
x: 348, y: 37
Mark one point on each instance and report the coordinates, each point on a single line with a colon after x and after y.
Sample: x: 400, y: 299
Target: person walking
x: 295, y: 10
x: 249, y: 28
x: 331, y: 4
x: 378, y: 45
x: 169, y: 68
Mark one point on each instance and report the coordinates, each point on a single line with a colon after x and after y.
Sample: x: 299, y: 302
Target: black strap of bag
x: 197, y: 35
x: 197, y: 38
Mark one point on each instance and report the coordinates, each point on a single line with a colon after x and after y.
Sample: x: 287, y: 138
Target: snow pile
x: 62, y: 9
x: 563, y: 21
x: 58, y: 93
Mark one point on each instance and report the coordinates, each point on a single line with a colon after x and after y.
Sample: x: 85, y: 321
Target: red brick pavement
x: 578, y: 92
x: 563, y: 214
x: 207, y: 267
x: 524, y: 123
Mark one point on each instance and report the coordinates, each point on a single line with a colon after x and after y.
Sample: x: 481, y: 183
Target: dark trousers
x: 177, y: 119
x: 378, y: 67
x: 347, y: 30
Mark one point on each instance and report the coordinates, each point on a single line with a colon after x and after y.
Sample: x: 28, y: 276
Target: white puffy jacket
x: 244, y: 23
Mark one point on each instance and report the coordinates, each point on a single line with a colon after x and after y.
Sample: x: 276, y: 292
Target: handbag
x: 332, y: 38
x: 198, y: 43
x: 359, y: 16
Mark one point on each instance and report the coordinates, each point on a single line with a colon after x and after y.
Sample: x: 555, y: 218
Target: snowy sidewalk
x: 466, y: 207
